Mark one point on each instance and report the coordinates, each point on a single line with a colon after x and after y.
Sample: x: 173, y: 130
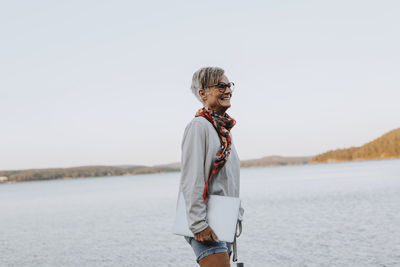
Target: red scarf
x: 223, y: 125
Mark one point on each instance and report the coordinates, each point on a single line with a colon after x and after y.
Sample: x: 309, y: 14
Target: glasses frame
x: 222, y: 90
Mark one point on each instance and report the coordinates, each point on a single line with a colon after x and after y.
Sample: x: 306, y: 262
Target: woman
x: 210, y: 164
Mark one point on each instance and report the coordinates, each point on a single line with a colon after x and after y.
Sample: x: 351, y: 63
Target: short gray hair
x: 203, y: 78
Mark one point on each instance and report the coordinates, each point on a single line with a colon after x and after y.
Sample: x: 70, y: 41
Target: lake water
x: 342, y: 214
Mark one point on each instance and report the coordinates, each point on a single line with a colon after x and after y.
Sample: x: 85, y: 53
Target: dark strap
x: 238, y: 225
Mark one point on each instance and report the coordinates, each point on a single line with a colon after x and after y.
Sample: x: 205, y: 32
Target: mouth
x: 225, y: 98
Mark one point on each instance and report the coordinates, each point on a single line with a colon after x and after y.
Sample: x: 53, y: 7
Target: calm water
x: 344, y: 214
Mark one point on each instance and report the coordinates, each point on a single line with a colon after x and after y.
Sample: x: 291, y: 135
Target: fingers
x: 207, y: 235
x: 203, y: 235
x: 214, y: 236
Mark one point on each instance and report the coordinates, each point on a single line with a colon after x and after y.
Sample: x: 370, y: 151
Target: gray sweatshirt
x: 200, y: 146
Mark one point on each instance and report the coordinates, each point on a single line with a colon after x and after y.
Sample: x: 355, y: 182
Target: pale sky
x: 107, y: 82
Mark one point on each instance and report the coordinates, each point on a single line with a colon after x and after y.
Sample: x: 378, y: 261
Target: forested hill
x: 84, y: 171
x: 274, y: 161
x: 385, y: 147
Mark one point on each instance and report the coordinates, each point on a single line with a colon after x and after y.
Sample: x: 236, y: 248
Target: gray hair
x: 203, y: 78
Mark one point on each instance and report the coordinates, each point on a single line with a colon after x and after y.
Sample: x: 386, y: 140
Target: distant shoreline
x: 385, y: 147
x: 55, y: 174
x: 9, y: 176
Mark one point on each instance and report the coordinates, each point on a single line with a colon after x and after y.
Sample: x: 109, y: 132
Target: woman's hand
x: 207, y: 235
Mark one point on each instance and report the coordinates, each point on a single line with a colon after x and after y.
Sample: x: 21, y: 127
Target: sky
x: 108, y: 82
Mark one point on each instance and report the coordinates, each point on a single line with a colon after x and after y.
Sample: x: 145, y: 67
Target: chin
x: 225, y: 105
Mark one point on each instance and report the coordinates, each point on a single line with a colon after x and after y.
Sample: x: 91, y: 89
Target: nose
x: 228, y: 90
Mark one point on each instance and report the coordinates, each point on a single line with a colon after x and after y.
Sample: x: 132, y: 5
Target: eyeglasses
x: 222, y: 87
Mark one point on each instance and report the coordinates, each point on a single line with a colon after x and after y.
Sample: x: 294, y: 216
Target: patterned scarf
x: 223, y: 124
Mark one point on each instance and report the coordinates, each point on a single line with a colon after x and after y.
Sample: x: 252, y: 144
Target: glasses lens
x: 222, y: 87
x: 232, y: 86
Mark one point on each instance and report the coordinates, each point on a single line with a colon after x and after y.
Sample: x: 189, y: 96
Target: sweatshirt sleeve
x: 192, y: 171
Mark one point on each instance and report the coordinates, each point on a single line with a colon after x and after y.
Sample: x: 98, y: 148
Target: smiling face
x: 214, y: 99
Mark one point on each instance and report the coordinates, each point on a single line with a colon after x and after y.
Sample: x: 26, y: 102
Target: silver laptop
x: 222, y: 216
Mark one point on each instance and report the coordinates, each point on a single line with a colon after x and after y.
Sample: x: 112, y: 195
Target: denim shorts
x: 202, y: 250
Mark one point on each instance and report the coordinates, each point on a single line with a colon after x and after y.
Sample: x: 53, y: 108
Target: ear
x: 202, y: 94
